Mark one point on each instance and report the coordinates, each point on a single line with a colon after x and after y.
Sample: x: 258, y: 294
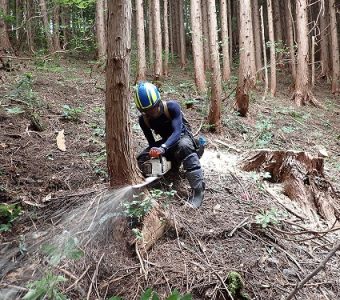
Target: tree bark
x: 150, y: 33
x: 100, y: 29
x: 4, y: 39
x: 182, y: 34
x: 156, y: 22
x: 230, y: 33
x: 335, y: 49
x: 302, y: 177
x: 257, y: 38
x: 46, y: 23
x: 122, y: 168
x: 166, y: 38
x: 278, y: 29
x: 225, y: 41
x: 324, y: 43
x: 214, y: 117
x: 197, y: 45
x: 302, y: 94
x: 56, y: 27
x: 205, y: 29
x: 264, y: 53
x: 247, y: 73
x: 171, y: 31
x: 141, y: 68
x: 290, y: 37
x: 29, y: 31
x: 272, y: 49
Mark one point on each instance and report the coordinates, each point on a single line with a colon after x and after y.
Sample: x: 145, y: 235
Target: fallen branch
x: 300, y: 285
x: 228, y: 146
x: 224, y: 285
x: 94, y: 277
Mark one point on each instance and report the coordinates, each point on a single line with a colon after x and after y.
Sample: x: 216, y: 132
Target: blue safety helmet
x: 147, y: 96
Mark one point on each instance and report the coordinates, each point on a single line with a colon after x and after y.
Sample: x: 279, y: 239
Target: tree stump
x: 302, y: 176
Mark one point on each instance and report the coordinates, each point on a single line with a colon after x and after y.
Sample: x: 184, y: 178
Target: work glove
x: 156, y: 151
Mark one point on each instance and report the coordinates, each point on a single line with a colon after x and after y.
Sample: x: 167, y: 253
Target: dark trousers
x: 176, y: 154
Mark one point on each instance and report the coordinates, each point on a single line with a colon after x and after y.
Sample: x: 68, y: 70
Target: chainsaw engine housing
x: 156, y: 167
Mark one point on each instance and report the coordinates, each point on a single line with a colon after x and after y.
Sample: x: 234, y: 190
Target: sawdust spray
x: 90, y: 222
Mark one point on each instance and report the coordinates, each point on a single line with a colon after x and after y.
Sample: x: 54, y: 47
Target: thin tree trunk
x: 29, y: 31
x: 324, y: 42
x: 313, y: 60
x: 264, y: 53
x: 150, y: 33
x: 197, y: 45
x: 120, y: 158
x: 335, y: 49
x: 302, y: 94
x: 272, y: 49
x: 140, y: 40
x: 46, y: 23
x: 18, y: 21
x: 4, y: 39
x: 278, y: 29
x: 171, y: 22
x: 166, y: 38
x: 214, y: 117
x: 230, y: 32
x: 100, y: 29
x: 290, y: 37
x: 182, y: 34
x: 257, y: 38
x: 56, y: 27
x: 157, y: 39
x: 225, y: 41
x: 205, y: 29
x: 247, y: 73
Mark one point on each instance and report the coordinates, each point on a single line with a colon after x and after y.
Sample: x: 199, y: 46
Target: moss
x: 235, y: 285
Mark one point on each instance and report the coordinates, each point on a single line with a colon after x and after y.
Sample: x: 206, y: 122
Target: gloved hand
x: 156, y: 151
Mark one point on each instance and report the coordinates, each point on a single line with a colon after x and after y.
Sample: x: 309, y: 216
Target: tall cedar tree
x: 141, y: 68
x: 121, y: 164
x: 4, y: 40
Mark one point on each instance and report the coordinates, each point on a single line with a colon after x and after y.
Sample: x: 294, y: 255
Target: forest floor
x: 245, y: 224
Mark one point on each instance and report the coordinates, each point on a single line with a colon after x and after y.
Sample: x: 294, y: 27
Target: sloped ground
x: 202, y: 246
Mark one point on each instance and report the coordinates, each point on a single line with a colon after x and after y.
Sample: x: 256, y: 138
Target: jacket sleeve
x: 176, y: 123
x: 147, y: 132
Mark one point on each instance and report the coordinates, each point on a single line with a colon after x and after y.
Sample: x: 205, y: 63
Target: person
x: 177, y: 143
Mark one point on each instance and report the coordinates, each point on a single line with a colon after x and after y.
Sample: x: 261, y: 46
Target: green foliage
x: 280, y: 47
x: 69, y: 250
x: 235, y: 285
x: 8, y: 214
x: 288, y: 129
x: 265, y: 135
x: 142, y: 203
x: 82, y: 4
x: 7, y: 18
x: 15, y: 110
x: 269, y: 217
x: 72, y: 114
x: 23, y: 92
x: 46, y: 288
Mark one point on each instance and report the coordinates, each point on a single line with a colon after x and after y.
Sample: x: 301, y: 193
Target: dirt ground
x: 194, y: 255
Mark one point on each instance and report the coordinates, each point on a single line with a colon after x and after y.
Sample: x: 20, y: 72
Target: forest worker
x: 177, y: 143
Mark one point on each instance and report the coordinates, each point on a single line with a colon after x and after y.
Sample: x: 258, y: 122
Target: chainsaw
x: 153, y: 169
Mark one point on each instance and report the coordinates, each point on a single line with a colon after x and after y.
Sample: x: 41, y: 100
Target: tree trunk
x: 29, y: 31
x: 230, y: 33
x: 278, y: 29
x: 166, y: 38
x: 214, y: 117
x: 197, y: 45
x: 122, y: 168
x: 4, y: 39
x: 272, y: 49
x: 264, y: 53
x: 247, y: 73
x: 65, y: 23
x: 302, y: 94
x: 56, y: 27
x: 150, y: 33
x: 205, y: 29
x: 156, y: 22
x: 182, y: 34
x: 324, y: 43
x: 257, y: 39
x: 46, y: 23
x: 290, y: 36
x: 225, y: 41
x: 100, y: 29
x: 335, y: 49
x: 18, y: 21
x: 302, y: 177
x: 141, y: 65
x: 171, y: 23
